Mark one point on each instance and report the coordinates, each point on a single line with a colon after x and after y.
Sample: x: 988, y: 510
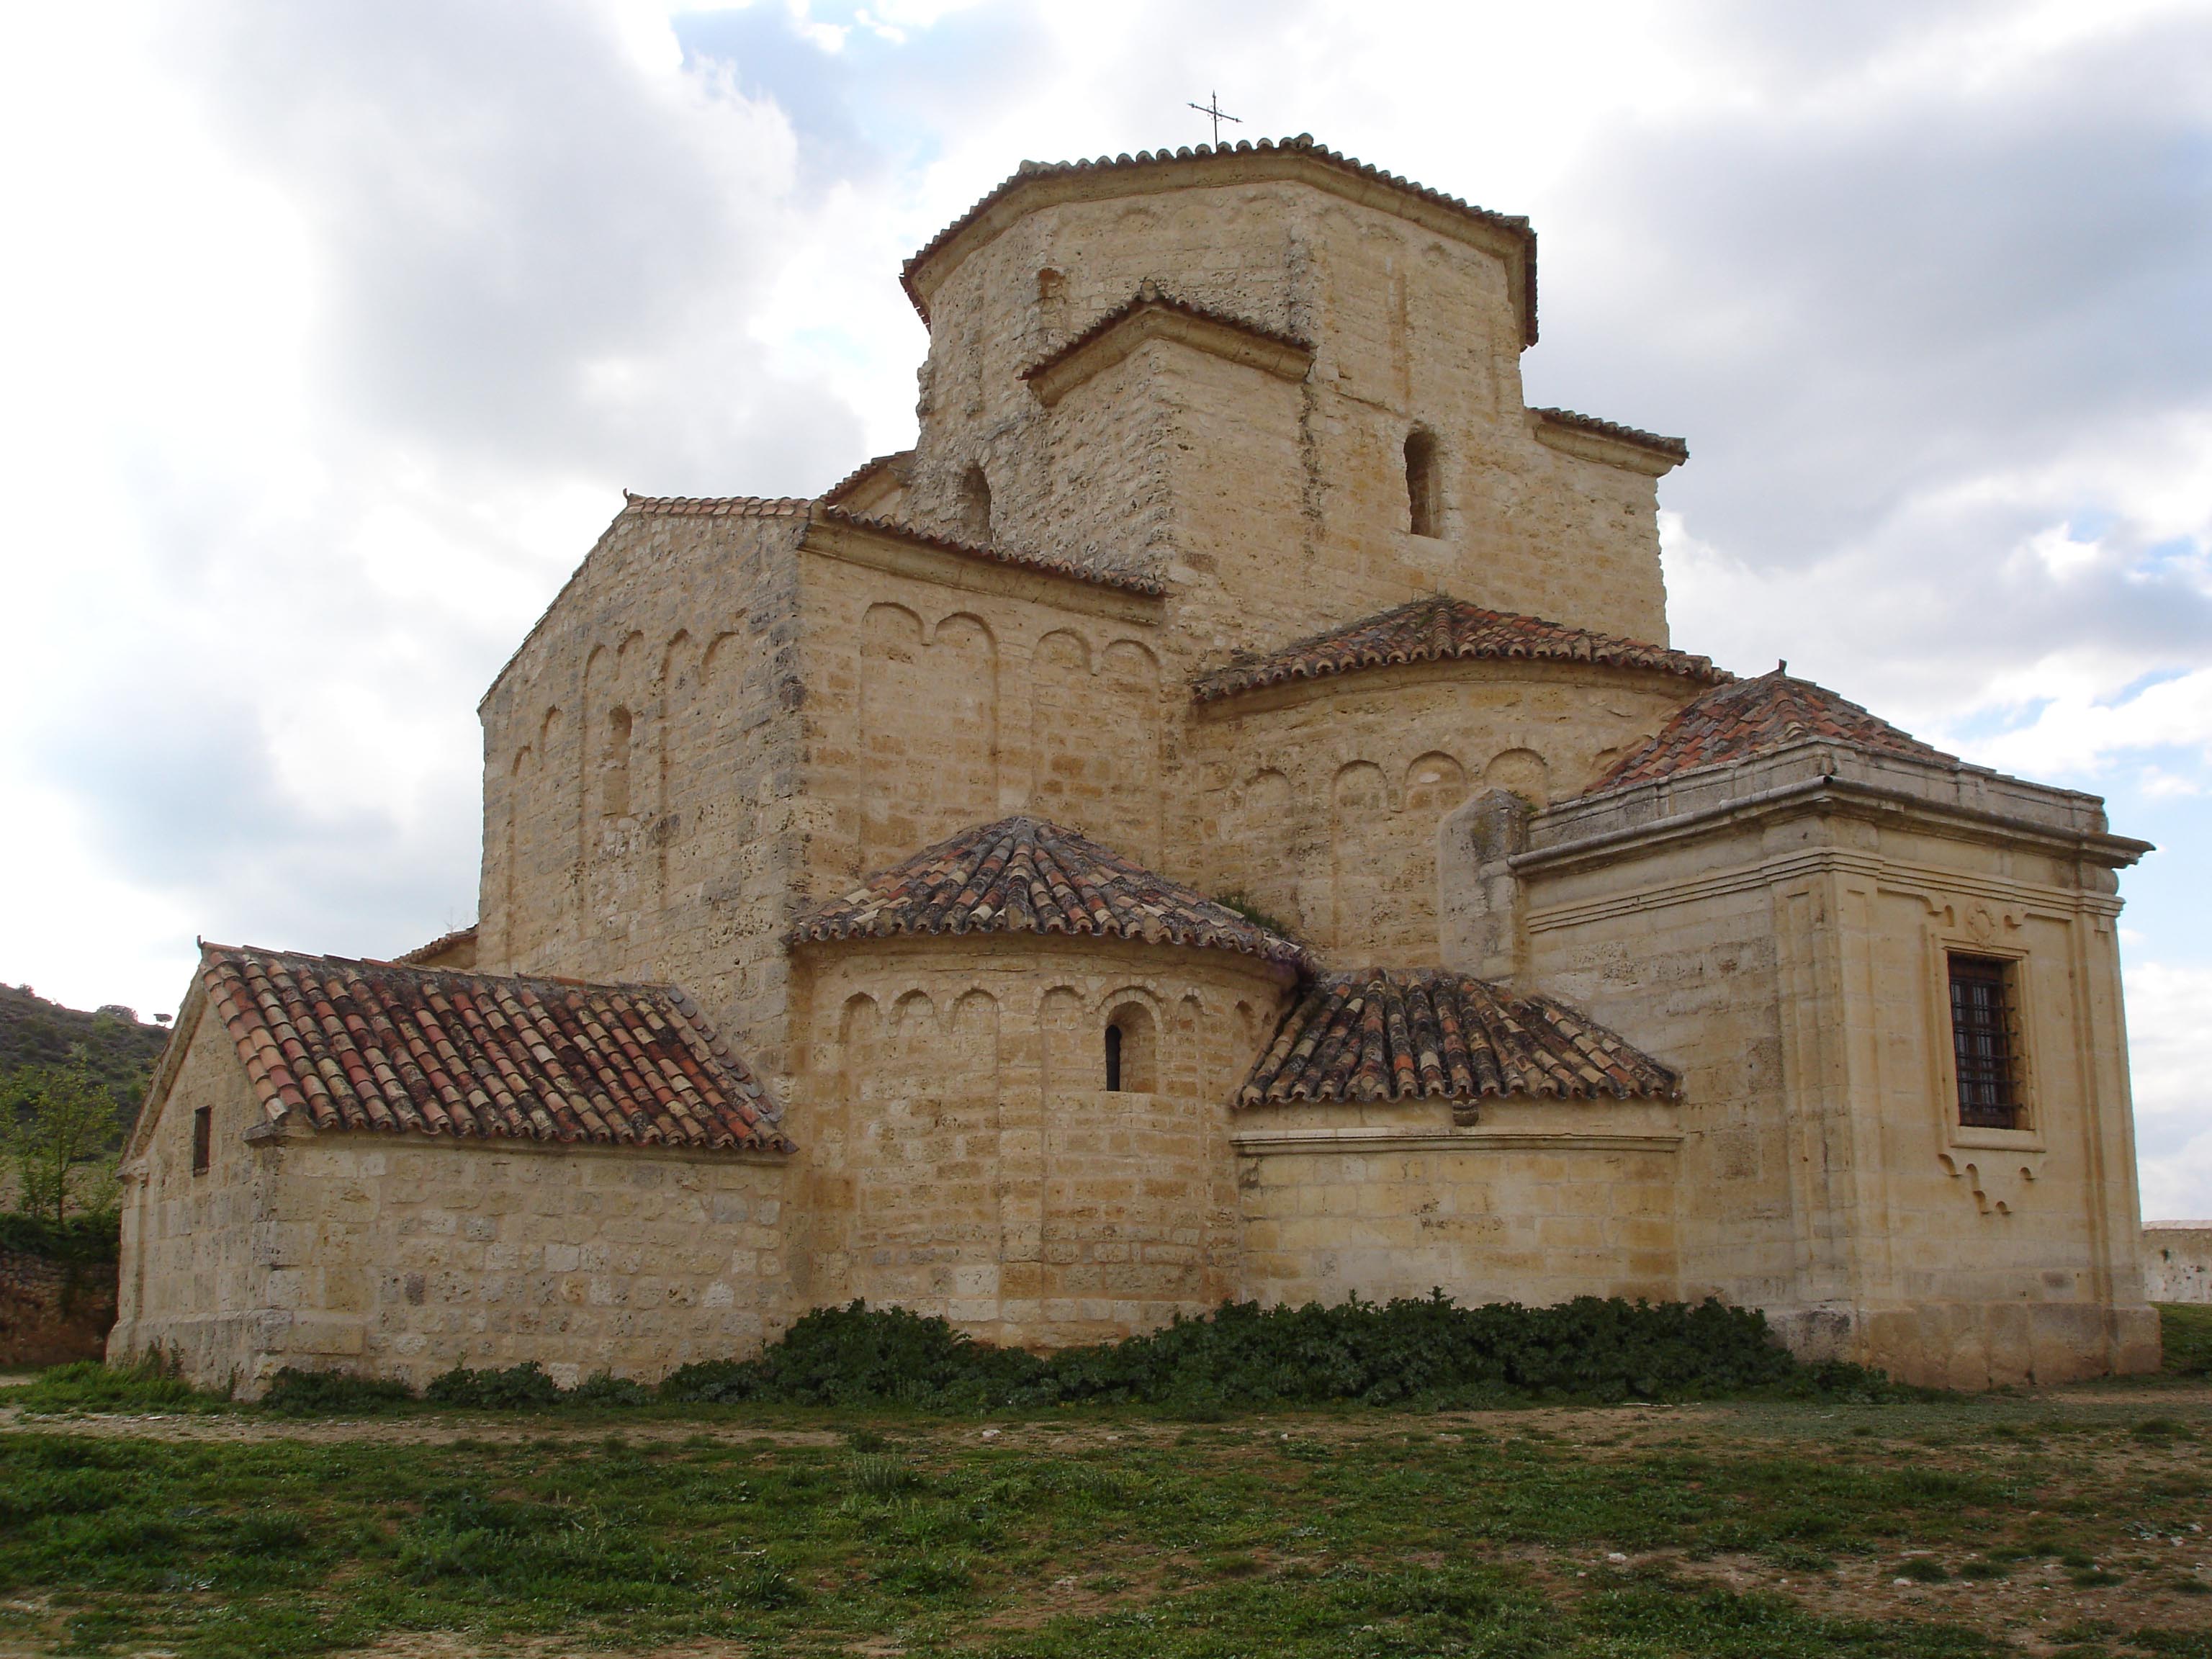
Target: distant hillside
x: 122, y: 1048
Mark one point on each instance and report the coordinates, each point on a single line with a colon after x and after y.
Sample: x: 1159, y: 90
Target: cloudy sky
x: 330, y: 334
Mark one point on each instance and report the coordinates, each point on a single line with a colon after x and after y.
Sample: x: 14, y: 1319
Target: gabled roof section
x: 1024, y: 875
x: 1753, y: 717
x: 1440, y: 628
x: 1153, y: 313
x: 895, y: 463
x: 444, y: 950
x: 1128, y: 581
x: 1434, y: 1035
x: 1036, y: 182
x: 373, y: 1045
x: 1608, y: 441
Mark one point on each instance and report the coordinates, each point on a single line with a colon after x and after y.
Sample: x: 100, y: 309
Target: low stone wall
x: 2178, y: 1260
x: 52, y: 1312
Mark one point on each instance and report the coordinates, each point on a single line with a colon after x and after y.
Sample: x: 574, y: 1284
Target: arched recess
x: 890, y: 687
x: 1434, y: 784
x: 1128, y: 707
x: 514, y: 847
x: 1358, y: 841
x: 614, y: 762
x: 1064, y: 784
x: 1425, y: 495
x: 976, y: 523
x: 974, y: 1067
x: 1523, y: 771
x: 1129, y: 1047
x: 963, y: 670
x: 913, y: 1033
x: 1260, y: 858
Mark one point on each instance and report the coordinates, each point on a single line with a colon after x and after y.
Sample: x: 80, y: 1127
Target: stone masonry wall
x: 932, y: 707
x: 1539, y: 1203
x: 1412, y: 329
x: 2178, y: 1260
x: 194, y: 1284
x: 964, y: 1157
x: 642, y: 776
x: 1791, y: 963
x: 1321, y: 801
x: 402, y: 1256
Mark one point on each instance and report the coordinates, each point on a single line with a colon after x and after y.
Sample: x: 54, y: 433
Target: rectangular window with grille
x: 1983, y: 1043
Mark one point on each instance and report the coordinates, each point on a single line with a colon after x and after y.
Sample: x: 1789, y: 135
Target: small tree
x: 58, y: 1128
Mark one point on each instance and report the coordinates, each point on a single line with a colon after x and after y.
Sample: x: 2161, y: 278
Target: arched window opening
x: 1131, y: 1051
x: 1423, y: 485
x: 975, y: 507
x: 614, y: 766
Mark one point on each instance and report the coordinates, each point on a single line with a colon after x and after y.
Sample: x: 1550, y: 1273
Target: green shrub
x: 1426, y: 1352
x: 88, y: 1238
x: 1922, y: 1571
x: 147, y: 1385
x: 2187, y: 1329
x: 517, y: 1387
x: 295, y: 1393
x: 605, y: 1389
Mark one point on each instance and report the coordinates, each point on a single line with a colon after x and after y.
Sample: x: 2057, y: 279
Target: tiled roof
x: 460, y: 937
x: 1150, y: 296
x: 1376, y: 1036
x: 1674, y: 448
x: 1023, y: 875
x: 1440, y: 628
x: 1129, y: 581
x: 371, y: 1045
x: 720, y: 506
x: 867, y: 469
x: 1302, y: 147
x: 1751, y: 717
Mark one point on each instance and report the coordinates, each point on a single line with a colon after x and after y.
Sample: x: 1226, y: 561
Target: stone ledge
x: 1267, y: 1142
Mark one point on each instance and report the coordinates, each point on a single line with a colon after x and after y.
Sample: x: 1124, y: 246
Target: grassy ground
x: 2066, y: 1522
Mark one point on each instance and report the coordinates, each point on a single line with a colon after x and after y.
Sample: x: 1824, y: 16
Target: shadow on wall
x: 53, y: 1312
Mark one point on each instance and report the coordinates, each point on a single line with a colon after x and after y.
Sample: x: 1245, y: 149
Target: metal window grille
x: 1981, y: 1043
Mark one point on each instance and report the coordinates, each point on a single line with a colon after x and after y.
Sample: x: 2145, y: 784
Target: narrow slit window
x: 1131, y: 1051
x: 202, y: 1138
x: 1985, y: 1043
x: 1423, y: 486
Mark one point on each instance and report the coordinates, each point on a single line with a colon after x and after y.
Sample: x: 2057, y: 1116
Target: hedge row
x: 1422, y: 1352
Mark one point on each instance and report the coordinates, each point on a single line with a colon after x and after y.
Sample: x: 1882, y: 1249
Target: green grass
x: 1082, y: 1532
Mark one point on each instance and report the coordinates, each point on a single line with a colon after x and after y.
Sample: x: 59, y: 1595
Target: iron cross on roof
x: 1212, y: 109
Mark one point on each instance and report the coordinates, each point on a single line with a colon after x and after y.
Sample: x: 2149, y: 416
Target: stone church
x: 1221, y: 816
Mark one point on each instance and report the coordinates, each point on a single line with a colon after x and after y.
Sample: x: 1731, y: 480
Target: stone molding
x: 1822, y: 775
x: 874, y: 545
x: 1275, y: 1143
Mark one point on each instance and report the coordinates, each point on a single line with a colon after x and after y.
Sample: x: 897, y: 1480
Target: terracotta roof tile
x: 895, y: 460
x: 373, y: 1045
x: 1150, y: 296
x: 1674, y: 448
x: 1753, y: 717
x: 1023, y: 875
x: 1129, y: 581
x: 1302, y: 146
x: 720, y: 506
x: 1442, y: 629
x: 1433, y: 1035
x: 438, y: 947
